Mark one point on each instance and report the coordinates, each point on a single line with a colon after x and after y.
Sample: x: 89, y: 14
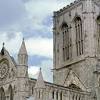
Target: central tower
x: 77, y: 44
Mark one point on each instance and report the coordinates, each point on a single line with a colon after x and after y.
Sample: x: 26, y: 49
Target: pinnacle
x: 23, y: 48
x: 3, y: 49
x: 40, y: 82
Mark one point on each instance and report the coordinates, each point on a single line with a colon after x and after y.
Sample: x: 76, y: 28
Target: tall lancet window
x: 10, y: 93
x: 79, y: 36
x: 2, y: 94
x: 66, y: 42
x: 98, y: 30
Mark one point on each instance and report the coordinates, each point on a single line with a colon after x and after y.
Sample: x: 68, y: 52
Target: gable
x: 72, y: 81
x: 7, y: 67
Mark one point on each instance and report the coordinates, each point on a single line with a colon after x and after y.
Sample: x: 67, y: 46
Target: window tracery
x: 11, y: 93
x: 79, y: 36
x: 66, y: 42
x: 2, y: 94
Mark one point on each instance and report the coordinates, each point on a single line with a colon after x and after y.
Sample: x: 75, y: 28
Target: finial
x: 23, y: 39
x: 40, y: 68
x: 22, y: 49
x: 2, y: 51
x: 3, y: 44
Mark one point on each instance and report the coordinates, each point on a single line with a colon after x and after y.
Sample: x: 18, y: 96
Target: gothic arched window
x: 66, y: 42
x: 39, y: 94
x: 61, y: 96
x: 98, y: 30
x: 56, y: 95
x: 10, y: 93
x: 32, y: 90
x: 53, y: 95
x: 2, y: 94
x: 79, y: 36
x: 76, y: 97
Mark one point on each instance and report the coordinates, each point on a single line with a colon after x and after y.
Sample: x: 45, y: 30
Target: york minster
x: 76, y: 59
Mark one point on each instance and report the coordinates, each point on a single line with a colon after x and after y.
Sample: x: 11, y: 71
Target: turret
x: 22, y: 61
x: 22, y: 73
x: 22, y: 55
x: 40, y: 88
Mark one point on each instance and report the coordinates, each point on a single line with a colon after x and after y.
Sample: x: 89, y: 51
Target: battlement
x: 68, y: 7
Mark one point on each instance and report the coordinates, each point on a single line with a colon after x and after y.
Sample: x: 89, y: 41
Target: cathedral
x: 76, y: 59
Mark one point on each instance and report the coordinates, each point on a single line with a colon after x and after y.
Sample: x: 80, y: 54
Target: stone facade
x: 76, y: 71
x: 76, y: 45
x: 16, y: 85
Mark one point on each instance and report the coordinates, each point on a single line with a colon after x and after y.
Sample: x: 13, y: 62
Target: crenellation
x: 68, y: 8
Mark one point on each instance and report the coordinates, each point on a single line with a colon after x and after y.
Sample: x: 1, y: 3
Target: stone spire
x: 23, y: 50
x: 22, y: 55
x: 22, y: 73
x: 40, y: 82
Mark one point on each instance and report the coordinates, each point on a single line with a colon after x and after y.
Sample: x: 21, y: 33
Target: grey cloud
x: 11, y: 12
x: 11, y: 35
x: 26, y: 1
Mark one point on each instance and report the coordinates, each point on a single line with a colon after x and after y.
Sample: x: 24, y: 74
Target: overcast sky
x: 31, y: 19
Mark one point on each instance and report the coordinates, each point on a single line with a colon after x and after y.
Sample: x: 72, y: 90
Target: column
x: 55, y: 94
x: 41, y: 94
x: 68, y: 95
x: 47, y: 94
x: 59, y: 95
x: 73, y: 96
x: 65, y: 95
x: 78, y: 96
x: 50, y: 94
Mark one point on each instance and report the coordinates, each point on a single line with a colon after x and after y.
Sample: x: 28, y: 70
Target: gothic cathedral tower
x: 22, y: 73
x: 76, y: 36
